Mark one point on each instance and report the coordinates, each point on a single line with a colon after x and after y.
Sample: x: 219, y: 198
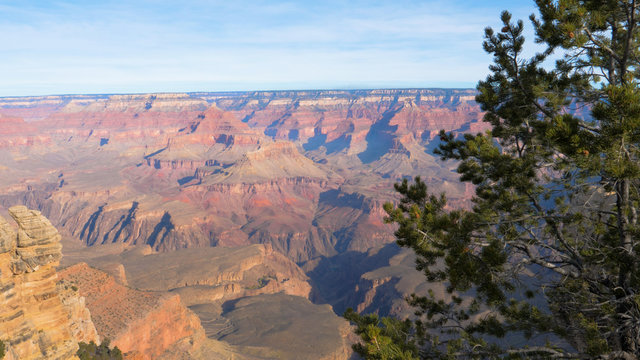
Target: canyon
x: 227, y: 206
x: 46, y: 313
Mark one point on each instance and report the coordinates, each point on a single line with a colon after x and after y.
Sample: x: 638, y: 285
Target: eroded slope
x: 200, y: 170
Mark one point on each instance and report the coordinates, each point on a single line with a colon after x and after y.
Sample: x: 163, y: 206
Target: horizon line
x: 236, y: 91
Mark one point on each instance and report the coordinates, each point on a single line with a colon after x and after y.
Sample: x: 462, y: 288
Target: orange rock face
x: 34, y: 321
x: 82, y: 327
x: 142, y: 323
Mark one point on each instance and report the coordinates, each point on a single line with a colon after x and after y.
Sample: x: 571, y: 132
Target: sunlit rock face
x: 34, y: 321
x: 44, y: 313
x: 139, y: 323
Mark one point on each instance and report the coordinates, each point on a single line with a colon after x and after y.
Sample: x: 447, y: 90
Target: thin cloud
x: 137, y: 46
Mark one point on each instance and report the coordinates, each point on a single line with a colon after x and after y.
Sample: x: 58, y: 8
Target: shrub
x: 91, y: 351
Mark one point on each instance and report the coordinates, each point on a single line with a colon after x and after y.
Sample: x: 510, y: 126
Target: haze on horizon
x: 138, y: 46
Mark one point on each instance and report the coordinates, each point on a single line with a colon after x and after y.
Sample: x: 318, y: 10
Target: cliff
x: 206, y: 275
x: 44, y: 313
x: 141, y: 324
x: 35, y: 321
x: 225, y: 169
x: 82, y: 326
x: 211, y: 281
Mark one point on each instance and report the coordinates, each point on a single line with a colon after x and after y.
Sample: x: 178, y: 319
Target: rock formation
x: 82, y: 327
x: 211, y: 274
x: 153, y: 169
x: 304, y: 172
x: 35, y: 322
x: 145, y: 324
x: 209, y: 281
x: 45, y: 314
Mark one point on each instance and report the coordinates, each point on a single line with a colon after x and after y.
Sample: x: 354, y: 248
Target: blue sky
x: 71, y: 47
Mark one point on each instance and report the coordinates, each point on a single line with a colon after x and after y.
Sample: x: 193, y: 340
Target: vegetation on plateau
x: 91, y: 351
x: 262, y: 282
x: 545, y: 263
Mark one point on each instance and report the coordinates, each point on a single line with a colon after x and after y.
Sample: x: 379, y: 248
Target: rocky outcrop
x: 208, y: 281
x: 34, y: 321
x: 142, y: 324
x: 38, y: 242
x: 82, y: 327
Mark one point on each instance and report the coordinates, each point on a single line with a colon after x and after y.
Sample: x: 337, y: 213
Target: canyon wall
x: 34, y: 321
x: 142, y: 324
x: 212, y: 200
x: 304, y: 171
x: 44, y: 313
x: 251, y: 299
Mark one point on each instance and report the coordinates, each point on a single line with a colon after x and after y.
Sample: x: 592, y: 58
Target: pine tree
x: 550, y: 245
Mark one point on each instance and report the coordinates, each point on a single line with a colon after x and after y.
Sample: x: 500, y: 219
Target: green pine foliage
x: 551, y: 243
x: 91, y: 351
x: 385, y: 338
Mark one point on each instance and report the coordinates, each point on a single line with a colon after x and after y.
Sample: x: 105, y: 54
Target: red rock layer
x: 138, y: 322
x: 305, y: 171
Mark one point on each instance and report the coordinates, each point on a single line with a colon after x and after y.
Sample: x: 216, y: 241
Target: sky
x: 141, y: 46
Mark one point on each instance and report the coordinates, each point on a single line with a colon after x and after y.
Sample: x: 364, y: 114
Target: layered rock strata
x: 210, y: 281
x: 82, y: 327
x: 34, y: 321
x: 205, y: 275
x: 143, y: 324
x: 305, y: 171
